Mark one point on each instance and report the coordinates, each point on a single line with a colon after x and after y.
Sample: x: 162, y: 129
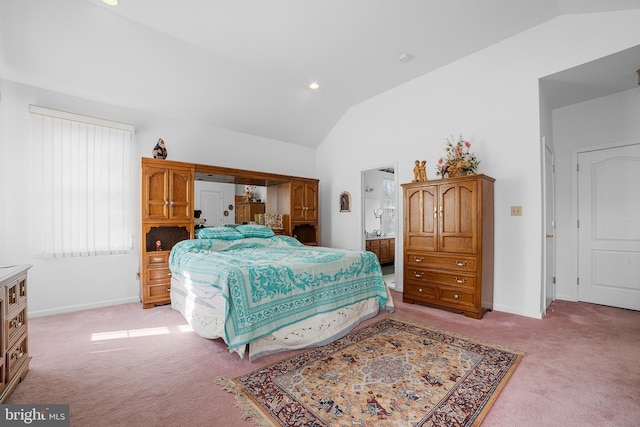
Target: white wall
x: 59, y: 285
x: 492, y: 99
x: 606, y: 120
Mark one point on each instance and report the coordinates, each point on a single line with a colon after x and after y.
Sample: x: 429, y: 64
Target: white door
x: 609, y: 226
x: 549, y: 245
x: 211, y: 206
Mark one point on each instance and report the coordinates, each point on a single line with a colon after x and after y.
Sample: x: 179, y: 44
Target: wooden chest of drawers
x: 14, y: 351
x: 441, y: 280
x: 158, y: 277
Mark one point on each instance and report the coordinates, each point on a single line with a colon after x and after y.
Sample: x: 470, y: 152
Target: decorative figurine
x: 197, y: 221
x: 420, y: 171
x: 158, y: 245
x: 423, y: 171
x: 416, y: 172
x: 160, y: 151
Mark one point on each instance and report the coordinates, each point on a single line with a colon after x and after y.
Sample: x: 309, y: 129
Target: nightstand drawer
x: 159, y: 274
x: 16, y: 325
x: 16, y: 294
x: 159, y: 291
x: 16, y: 356
x: 158, y: 258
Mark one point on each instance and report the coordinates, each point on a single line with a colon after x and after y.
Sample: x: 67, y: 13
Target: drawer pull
x: 420, y: 290
x: 18, y: 355
x: 156, y: 259
x: 168, y: 273
x: 456, y: 296
x: 416, y: 259
x: 418, y: 275
x: 460, y: 280
x: 16, y: 323
x: 167, y: 289
x: 460, y: 264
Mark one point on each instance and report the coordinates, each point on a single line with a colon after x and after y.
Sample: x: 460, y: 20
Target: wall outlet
x: 516, y: 210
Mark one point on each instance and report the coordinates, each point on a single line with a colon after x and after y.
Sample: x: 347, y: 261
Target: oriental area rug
x: 391, y: 373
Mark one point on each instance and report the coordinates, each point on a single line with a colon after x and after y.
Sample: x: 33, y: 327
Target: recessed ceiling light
x: 405, y: 57
x: 314, y: 86
x: 111, y: 2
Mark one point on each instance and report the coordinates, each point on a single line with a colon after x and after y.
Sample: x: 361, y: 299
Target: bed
x: 264, y: 293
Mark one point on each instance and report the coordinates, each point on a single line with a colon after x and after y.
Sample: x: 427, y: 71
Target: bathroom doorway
x: 379, y: 217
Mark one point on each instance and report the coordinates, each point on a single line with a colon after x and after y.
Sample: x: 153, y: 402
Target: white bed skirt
x: 203, y: 308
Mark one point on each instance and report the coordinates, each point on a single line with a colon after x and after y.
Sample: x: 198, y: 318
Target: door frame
x: 575, y: 241
x: 548, y: 199
x: 397, y: 266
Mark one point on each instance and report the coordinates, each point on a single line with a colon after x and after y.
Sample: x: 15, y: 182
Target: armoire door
x: 155, y: 193
x: 180, y: 190
x: 458, y: 217
x: 421, y: 225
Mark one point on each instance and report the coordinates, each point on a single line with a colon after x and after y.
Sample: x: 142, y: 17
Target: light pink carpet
x: 123, y: 366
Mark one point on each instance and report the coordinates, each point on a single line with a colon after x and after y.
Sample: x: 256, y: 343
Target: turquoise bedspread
x: 272, y: 282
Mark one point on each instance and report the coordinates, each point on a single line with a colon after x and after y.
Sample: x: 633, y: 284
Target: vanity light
x: 111, y: 2
x: 314, y: 86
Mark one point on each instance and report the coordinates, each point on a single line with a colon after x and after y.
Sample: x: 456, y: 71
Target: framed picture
x: 345, y: 202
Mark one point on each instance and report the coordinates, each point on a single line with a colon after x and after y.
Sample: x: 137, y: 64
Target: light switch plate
x: 516, y: 210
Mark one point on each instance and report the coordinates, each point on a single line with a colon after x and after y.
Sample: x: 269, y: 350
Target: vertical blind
x: 82, y: 184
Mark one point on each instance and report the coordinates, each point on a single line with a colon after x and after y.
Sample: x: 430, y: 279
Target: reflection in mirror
x: 379, y: 198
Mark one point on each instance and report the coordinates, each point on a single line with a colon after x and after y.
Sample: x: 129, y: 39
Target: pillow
x: 273, y: 221
x: 222, y: 233
x: 255, y: 230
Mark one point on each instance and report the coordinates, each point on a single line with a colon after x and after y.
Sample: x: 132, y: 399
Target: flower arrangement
x: 457, y: 160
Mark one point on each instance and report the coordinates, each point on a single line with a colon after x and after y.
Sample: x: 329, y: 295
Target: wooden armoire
x: 448, y: 244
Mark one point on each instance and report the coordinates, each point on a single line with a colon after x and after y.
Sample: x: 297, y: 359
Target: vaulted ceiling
x: 246, y: 65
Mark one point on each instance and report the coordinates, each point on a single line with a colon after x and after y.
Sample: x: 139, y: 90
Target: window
x: 389, y: 206
x: 82, y: 184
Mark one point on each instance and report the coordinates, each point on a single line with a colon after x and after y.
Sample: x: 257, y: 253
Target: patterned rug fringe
x: 249, y: 408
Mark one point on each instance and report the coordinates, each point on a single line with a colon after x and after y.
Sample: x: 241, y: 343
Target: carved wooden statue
x: 420, y: 171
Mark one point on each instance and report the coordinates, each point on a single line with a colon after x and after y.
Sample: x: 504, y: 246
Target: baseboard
x: 508, y: 309
x: 80, y: 307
